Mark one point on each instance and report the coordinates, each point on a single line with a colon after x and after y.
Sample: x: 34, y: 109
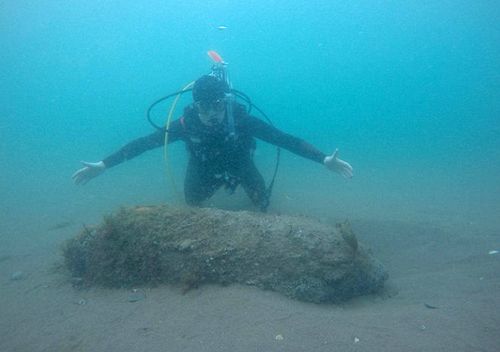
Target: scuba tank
x: 219, y: 70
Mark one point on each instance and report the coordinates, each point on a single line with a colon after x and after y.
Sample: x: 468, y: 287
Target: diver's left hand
x: 340, y: 166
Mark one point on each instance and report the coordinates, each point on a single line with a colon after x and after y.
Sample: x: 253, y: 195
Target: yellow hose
x: 170, y: 177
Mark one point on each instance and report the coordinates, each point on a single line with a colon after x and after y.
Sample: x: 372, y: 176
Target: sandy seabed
x: 443, y: 294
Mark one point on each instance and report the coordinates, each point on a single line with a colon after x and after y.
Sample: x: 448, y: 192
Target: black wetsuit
x: 217, y: 159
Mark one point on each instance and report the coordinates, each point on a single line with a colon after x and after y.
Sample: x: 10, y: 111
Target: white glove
x: 340, y: 166
x: 87, y: 173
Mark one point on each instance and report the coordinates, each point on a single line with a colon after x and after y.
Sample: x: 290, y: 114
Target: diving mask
x: 211, y: 113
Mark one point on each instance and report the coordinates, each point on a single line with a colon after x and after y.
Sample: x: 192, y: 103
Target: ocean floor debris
x: 296, y: 256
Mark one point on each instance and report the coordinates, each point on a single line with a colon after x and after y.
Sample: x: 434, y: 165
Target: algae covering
x: 299, y: 257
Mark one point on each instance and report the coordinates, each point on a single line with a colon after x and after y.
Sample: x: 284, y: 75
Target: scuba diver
x: 219, y: 135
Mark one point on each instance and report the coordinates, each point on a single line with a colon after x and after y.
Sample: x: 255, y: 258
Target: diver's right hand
x: 87, y: 173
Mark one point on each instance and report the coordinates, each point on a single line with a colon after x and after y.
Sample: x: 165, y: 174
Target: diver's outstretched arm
x: 127, y: 152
